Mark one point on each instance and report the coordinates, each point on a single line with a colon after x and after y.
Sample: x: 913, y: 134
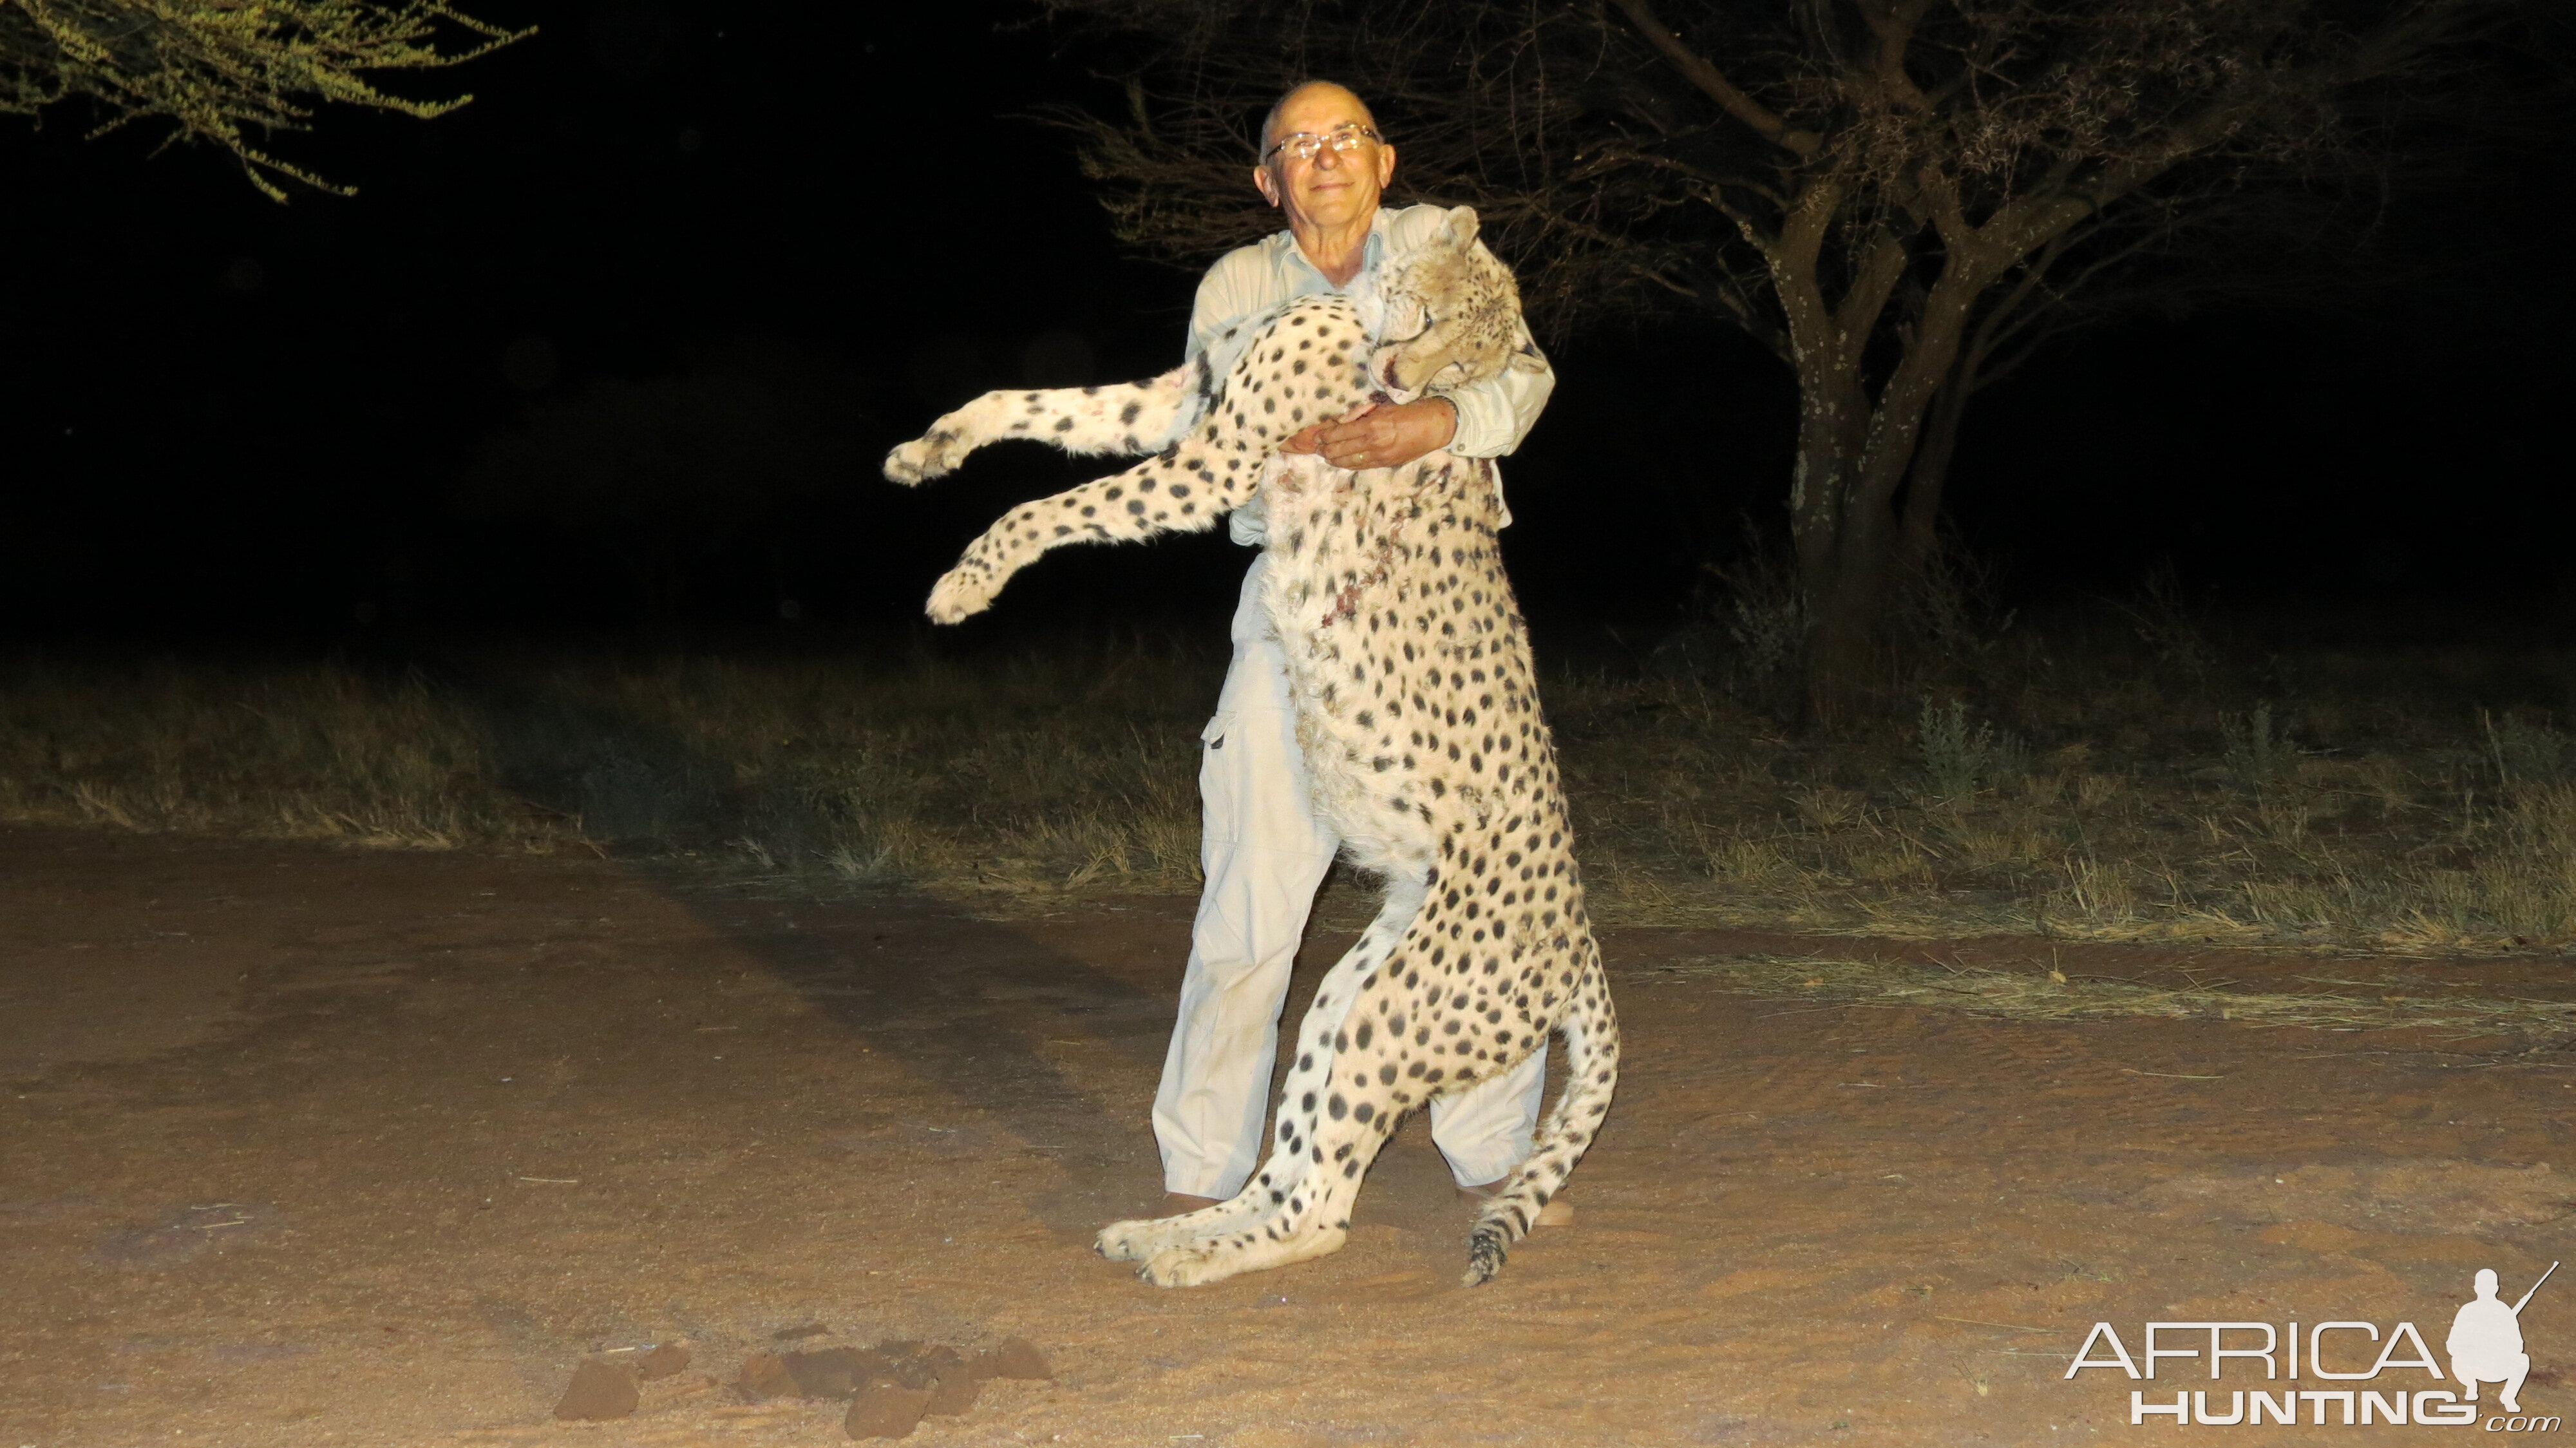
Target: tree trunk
x: 1922, y: 508
x: 1833, y: 410
x: 1853, y: 455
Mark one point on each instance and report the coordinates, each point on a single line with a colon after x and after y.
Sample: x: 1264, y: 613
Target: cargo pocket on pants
x: 1216, y: 795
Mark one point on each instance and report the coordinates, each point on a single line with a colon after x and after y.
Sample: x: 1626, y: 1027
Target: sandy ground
x: 302, y: 1145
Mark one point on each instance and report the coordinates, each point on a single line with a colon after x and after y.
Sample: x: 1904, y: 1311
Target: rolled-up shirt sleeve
x: 1495, y: 414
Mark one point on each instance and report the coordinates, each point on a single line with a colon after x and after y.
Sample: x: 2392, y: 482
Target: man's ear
x: 1262, y: 183
x: 1385, y: 166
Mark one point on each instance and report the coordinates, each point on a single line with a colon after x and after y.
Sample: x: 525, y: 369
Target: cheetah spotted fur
x: 1410, y: 672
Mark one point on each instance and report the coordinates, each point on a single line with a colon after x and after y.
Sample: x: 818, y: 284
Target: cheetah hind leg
x: 1313, y: 1220
x: 1274, y: 1220
x: 1125, y: 420
x: 1284, y: 1177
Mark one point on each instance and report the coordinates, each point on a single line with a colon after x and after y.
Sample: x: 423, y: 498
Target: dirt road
x: 315, y: 1146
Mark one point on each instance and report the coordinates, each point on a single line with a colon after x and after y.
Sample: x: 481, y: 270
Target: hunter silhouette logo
x: 2486, y: 1342
x: 2485, y: 1346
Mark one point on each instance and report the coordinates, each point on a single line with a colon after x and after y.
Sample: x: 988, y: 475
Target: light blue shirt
x: 1493, y: 415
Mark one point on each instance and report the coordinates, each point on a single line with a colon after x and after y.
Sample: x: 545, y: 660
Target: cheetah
x: 1416, y: 708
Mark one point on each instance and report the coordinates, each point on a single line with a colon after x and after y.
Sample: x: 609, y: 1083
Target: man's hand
x: 1382, y: 435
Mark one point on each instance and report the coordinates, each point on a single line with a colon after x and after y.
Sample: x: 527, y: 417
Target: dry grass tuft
x: 1021, y: 776
x: 2096, y: 792
x: 297, y: 752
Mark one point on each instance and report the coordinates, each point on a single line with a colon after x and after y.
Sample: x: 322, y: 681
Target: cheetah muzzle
x: 1410, y: 670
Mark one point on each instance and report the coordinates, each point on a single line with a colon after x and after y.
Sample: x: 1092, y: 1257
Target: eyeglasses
x: 1302, y: 146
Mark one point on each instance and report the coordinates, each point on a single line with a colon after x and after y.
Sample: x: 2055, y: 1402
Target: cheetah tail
x: 1591, y: 1031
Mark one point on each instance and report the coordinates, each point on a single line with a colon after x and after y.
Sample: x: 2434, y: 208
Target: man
x: 1324, y: 165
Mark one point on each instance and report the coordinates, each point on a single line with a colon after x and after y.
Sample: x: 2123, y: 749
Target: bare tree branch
x: 1697, y: 69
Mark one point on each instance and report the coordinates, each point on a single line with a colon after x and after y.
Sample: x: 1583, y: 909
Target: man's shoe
x: 1557, y: 1213
x: 1180, y: 1204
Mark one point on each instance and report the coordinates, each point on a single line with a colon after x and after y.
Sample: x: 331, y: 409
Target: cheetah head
x: 1454, y: 311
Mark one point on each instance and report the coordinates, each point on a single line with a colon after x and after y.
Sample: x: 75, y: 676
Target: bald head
x: 1339, y: 97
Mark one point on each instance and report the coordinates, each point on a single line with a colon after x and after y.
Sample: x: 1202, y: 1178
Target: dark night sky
x: 226, y: 417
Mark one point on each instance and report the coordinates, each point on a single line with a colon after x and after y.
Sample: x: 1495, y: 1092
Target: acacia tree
x: 225, y: 71
x: 1899, y: 198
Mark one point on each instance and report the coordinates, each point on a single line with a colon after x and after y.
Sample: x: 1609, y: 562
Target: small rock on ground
x: 952, y: 1391
x: 765, y: 1375
x: 832, y: 1372
x: 599, y: 1391
x: 886, y: 1409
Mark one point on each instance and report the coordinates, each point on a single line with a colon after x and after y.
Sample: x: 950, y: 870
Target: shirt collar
x: 1372, y: 251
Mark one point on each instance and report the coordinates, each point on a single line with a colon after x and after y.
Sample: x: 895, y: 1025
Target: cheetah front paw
x: 960, y: 594
x: 931, y: 455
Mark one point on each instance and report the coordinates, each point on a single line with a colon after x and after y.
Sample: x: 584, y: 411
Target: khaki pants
x: 1265, y: 852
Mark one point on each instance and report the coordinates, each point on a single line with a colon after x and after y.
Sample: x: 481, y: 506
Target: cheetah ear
x: 1461, y: 225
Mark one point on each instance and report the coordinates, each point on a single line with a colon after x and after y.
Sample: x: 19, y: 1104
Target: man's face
x: 1333, y: 188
